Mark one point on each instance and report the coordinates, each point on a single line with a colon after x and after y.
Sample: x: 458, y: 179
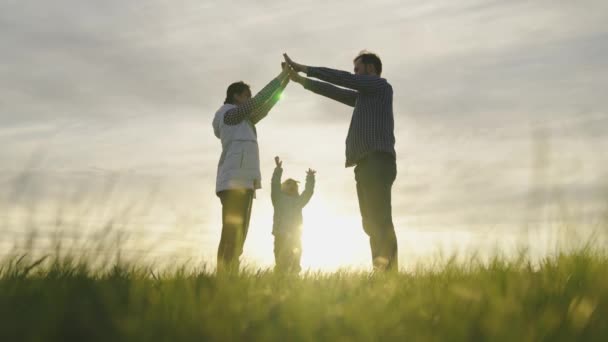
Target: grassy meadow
x: 92, y: 292
x: 560, y: 298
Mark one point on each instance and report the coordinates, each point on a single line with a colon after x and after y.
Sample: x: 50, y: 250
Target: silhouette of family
x: 370, y: 149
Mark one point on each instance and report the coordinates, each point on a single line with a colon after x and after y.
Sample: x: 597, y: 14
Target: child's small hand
x: 278, y: 161
x: 311, y: 172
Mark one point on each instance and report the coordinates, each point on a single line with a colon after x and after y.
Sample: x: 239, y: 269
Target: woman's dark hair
x: 234, y: 89
x: 367, y: 57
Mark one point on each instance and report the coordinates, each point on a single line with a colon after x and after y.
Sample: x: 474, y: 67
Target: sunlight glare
x: 331, y: 240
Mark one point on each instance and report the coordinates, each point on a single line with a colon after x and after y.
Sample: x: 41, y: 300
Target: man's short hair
x: 367, y: 58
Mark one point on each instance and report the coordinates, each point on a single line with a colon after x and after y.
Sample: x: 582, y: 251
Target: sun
x: 332, y: 240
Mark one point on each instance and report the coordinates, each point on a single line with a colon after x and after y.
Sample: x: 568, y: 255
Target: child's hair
x: 288, y: 182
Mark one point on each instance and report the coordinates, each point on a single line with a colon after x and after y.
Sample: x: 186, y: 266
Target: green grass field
x: 563, y: 298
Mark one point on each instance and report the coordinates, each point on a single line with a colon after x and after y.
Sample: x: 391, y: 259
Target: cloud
x: 131, y: 87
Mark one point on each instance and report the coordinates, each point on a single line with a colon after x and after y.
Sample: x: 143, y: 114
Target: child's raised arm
x: 309, y: 188
x: 275, y: 186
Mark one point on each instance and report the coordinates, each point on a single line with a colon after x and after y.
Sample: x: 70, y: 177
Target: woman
x: 238, y: 171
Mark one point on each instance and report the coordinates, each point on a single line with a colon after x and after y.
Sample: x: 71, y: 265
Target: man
x: 370, y: 144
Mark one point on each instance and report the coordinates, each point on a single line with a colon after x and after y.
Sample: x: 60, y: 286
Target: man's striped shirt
x: 372, y: 124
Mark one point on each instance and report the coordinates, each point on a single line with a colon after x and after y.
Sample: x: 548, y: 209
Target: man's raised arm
x: 346, y: 96
x: 361, y: 83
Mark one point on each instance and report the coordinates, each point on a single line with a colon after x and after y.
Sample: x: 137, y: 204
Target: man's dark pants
x: 236, y: 213
x: 375, y: 175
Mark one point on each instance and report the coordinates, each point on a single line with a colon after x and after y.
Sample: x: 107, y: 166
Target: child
x: 287, y: 226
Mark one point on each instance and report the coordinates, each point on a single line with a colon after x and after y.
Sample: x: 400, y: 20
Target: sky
x: 500, y: 117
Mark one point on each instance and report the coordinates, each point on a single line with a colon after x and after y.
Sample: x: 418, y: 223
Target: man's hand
x: 311, y: 172
x: 278, y: 161
x: 296, y: 66
x: 295, y: 77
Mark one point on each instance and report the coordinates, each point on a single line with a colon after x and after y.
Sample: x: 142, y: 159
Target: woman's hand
x: 285, y: 69
x: 295, y: 77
